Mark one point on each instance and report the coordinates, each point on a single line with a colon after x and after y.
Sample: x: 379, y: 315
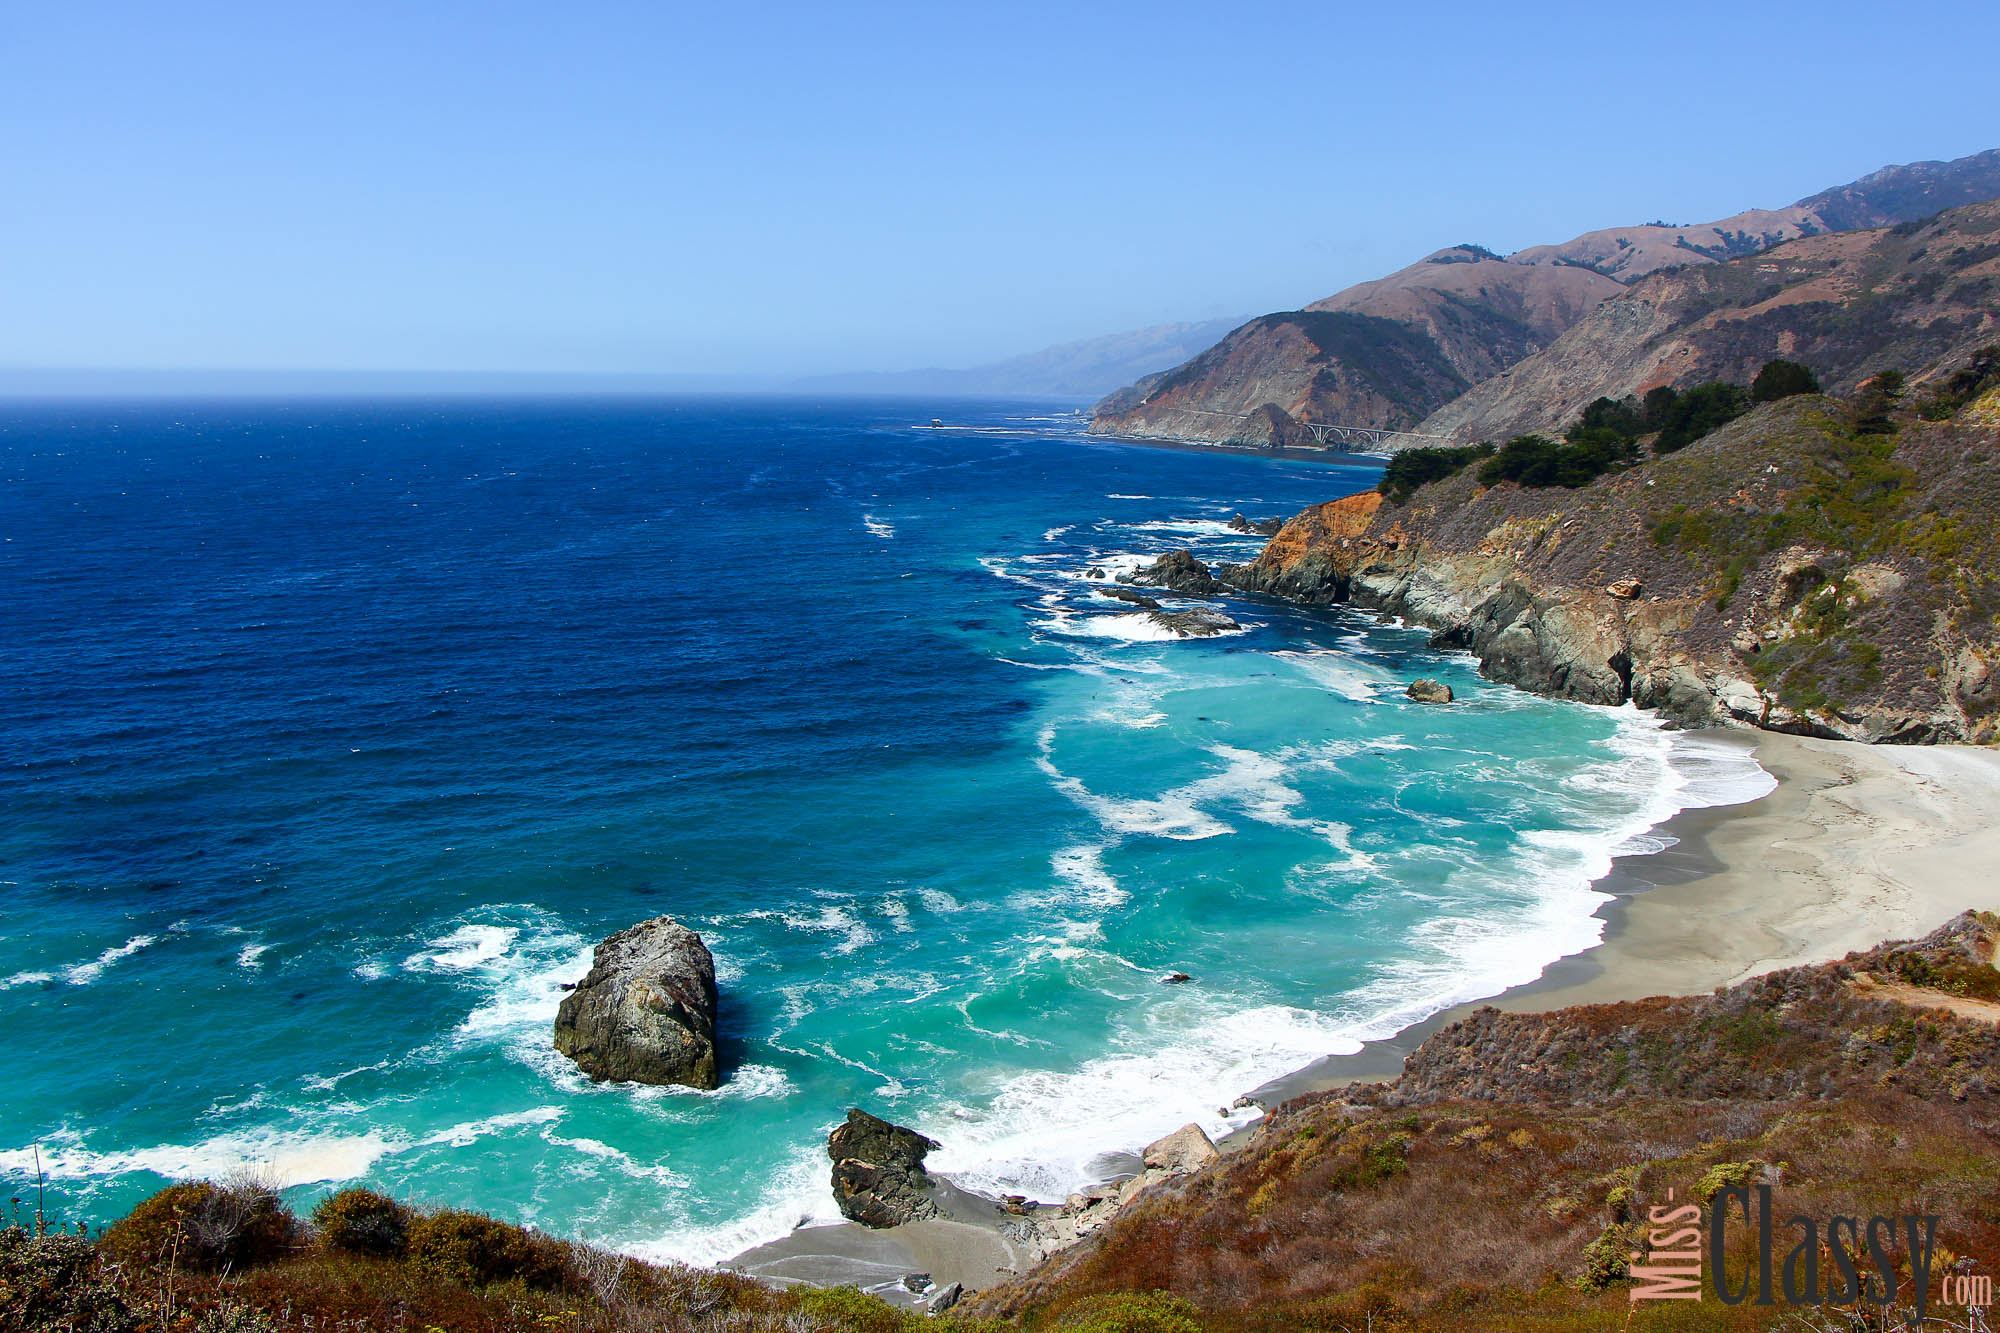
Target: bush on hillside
x: 360, y: 1221
x: 201, y: 1225
x: 1536, y: 460
x: 1782, y: 379
x: 1872, y: 412
x: 1963, y: 385
x: 1683, y: 418
x: 1413, y: 468
x: 53, y: 1282
x: 1131, y: 1312
x: 475, y: 1251
x: 1620, y: 416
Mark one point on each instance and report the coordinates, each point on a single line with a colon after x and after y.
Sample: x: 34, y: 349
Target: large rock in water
x: 645, y: 1013
x: 878, y: 1171
x: 1429, y: 691
x: 1177, y: 571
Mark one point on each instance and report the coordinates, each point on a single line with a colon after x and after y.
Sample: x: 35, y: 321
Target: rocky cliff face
x: 1848, y: 305
x: 1412, y: 342
x: 1782, y: 573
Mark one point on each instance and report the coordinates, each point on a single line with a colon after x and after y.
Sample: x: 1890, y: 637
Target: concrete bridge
x: 1331, y: 435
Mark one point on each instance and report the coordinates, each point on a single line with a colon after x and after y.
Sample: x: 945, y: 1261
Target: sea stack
x: 645, y: 1013
x: 1429, y: 691
x: 878, y: 1171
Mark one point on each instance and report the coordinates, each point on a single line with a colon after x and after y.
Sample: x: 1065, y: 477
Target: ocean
x: 334, y: 733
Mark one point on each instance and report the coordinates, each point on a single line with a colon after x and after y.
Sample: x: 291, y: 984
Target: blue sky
x: 793, y: 188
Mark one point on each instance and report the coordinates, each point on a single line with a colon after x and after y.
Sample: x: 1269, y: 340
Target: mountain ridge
x: 1474, y: 314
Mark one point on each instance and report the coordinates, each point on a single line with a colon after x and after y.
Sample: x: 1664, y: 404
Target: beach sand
x: 1855, y: 845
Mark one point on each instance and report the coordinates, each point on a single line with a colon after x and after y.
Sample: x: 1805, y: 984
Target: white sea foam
x: 1135, y: 627
x: 278, y: 1157
x: 1339, y: 672
x: 1171, y: 815
x: 469, y: 1132
x: 1047, y: 1132
x: 82, y: 974
x: 1081, y: 869
x: 795, y: 1195
x: 1191, y: 527
x: 853, y: 932
x: 463, y: 949
x: 26, y: 979
x: 878, y: 527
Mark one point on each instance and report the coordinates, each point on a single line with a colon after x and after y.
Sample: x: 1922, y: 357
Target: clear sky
x: 660, y: 187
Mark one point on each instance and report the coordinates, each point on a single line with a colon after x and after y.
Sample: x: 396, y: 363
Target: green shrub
x: 201, y: 1225
x: 361, y: 1221
x: 1963, y: 385
x: 53, y: 1282
x: 1536, y: 460
x: 1725, y: 1175
x: 1683, y: 418
x: 855, y: 1311
x: 1131, y: 1312
x: 1413, y: 468
x: 474, y: 1250
x: 1873, y: 408
x: 1782, y: 379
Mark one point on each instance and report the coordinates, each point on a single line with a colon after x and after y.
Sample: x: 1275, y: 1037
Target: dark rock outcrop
x: 1429, y: 691
x: 1177, y: 571
x: 645, y: 1013
x: 1122, y: 593
x: 1263, y: 527
x: 878, y: 1171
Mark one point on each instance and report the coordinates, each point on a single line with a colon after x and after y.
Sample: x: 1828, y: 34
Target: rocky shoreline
x: 1637, y: 589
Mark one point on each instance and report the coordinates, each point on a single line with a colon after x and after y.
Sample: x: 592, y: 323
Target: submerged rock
x: 878, y: 1171
x: 1429, y: 691
x: 1124, y: 594
x: 645, y: 1013
x: 1177, y: 571
x: 1198, y: 623
x: 1263, y: 527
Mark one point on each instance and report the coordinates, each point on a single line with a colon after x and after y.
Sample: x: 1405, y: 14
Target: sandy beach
x: 1855, y: 845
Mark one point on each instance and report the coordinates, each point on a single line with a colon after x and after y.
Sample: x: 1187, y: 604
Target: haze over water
x: 335, y: 733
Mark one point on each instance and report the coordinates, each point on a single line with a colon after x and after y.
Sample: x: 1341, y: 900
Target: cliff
x: 1415, y: 340
x: 1849, y: 304
x: 1508, y: 1176
x: 1784, y: 572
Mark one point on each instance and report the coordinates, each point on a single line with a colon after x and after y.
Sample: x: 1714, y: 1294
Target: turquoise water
x: 335, y: 733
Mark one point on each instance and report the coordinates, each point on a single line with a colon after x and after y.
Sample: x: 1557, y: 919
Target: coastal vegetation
x: 1505, y: 1179
x: 230, y: 1257
x: 1608, y: 436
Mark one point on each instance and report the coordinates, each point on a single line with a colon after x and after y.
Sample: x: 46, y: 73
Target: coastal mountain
x: 1848, y: 304
x: 1405, y: 345
x: 1088, y: 368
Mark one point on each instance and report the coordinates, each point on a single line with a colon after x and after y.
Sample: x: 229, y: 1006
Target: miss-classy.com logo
x: 1882, y: 1261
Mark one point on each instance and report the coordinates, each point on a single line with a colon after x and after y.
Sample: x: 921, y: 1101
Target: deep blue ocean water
x: 333, y: 734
